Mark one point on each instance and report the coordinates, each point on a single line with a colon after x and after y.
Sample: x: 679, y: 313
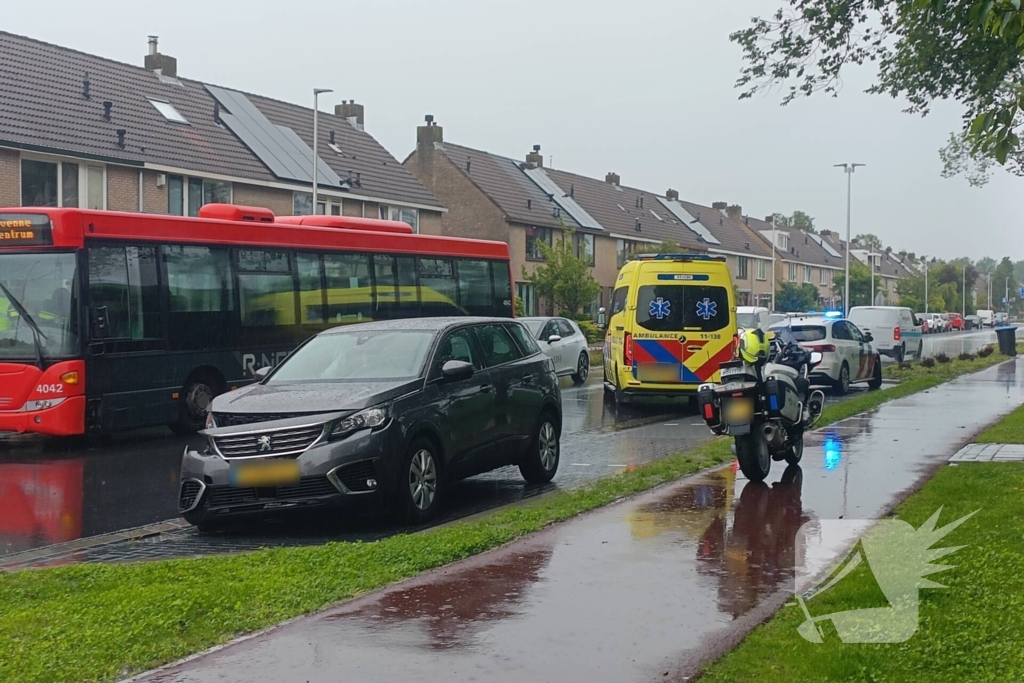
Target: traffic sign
x: 1022, y: 292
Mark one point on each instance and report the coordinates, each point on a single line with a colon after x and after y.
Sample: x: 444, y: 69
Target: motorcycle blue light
x: 773, y: 401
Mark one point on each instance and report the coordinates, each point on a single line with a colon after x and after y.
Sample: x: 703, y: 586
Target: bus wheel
x: 194, y: 404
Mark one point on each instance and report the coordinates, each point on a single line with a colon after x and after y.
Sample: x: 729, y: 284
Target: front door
x: 468, y: 405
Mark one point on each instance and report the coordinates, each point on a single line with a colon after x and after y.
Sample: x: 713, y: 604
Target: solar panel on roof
x: 568, y: 204
x: 677, y: 210
x: 278, y: 147
x: 825, y: 245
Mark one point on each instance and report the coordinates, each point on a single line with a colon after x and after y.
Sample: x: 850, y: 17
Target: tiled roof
x: 803, y: 247
x: 618, y: 208
x: 43, y: 107
x: 501, y: 179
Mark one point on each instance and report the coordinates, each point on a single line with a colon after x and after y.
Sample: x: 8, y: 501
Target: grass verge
x: 99, y: 622
x: 970, y: 632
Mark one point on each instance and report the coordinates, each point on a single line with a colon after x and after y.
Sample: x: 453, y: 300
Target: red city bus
x: 112, y: 321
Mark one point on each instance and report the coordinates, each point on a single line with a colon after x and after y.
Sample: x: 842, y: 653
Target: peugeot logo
x: 263, y: 444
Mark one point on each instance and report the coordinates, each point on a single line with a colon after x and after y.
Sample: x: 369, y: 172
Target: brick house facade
x: 101, y: 134
x: 519, y: 202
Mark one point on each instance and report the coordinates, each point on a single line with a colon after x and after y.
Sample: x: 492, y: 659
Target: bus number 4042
x: 50, y: 389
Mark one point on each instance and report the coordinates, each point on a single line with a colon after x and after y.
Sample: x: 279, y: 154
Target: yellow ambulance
x: 672, y: 322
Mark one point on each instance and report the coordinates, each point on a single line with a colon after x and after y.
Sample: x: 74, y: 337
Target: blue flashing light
x: 773, y: 402
x: 678, y: 257
x: 833, y: 314
x: 833, y: 451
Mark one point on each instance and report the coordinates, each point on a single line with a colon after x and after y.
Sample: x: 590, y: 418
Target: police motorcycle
x: 764, y: 401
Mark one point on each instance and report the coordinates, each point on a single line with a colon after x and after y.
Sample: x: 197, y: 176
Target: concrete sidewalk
x: 649, y: 588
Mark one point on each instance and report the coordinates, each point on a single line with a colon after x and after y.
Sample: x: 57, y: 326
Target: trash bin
x: 1007, y: 337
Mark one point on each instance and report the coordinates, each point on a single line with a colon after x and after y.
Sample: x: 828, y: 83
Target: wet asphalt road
x: 54, y: 491
x: 645, y: 590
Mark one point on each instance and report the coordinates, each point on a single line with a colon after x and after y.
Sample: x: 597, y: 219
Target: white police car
x: 847, y: 354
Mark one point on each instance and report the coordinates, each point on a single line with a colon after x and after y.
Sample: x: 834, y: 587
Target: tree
x: 986, y: 265
x: 793, y: 297
x: 1003, y: 272
x: 860, y: 284
x: 799, y: 220
x: 564, y: 279
x: 519, y: 307
x: 869, y: 241
x: 969, y: 51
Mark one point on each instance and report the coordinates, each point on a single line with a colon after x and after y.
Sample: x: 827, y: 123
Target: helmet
x: 754, y: 345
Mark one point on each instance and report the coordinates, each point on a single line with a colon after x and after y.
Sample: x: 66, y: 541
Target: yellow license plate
x: 739, y: 411
x: 270, y: 473
x: 662, y: 373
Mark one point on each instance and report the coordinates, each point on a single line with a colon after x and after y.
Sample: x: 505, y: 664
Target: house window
x: 302, y: 205
x: 401, y: 213
x: 168, y: 111
x: 534, y: 236
x: 766, y: 299
x: 185, y: 196
x: 824, y: 276
x: 62, y: 183
x: 623, y: 250
x: 762, y: 270
x: 782, y: 241
x: 584, y: 247
x: 792, y: 272
x: 742, y: 263
x: 526, y: 294
x: 808, y: 274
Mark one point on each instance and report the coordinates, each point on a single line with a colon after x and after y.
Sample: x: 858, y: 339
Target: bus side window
x: 266, y: 288
x: 475, y: 291
x: 438, y: 288
x: 349, y: 290
x: 311, y: 291
x: 502, y: 288
x: 124, y: 280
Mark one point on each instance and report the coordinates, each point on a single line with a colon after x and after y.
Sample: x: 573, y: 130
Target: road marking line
x: 582, y: 464
x: 671, y: 424
x: 617, y: 465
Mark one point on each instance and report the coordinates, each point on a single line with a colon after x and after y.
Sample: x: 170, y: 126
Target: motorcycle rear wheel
x: 753, y: 455
x: 795, y: 450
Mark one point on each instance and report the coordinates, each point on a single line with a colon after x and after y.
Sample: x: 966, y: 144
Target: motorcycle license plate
x: 271, y: 473
x: 739, y: 411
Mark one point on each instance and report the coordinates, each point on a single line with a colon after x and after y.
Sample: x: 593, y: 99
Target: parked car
x: 937, y: 323
x: 750, y: 317
x: 1001, y: 318
x: 847, y: 354
x: 956, y: 322
x: 947, y: 323
x: 926, y: 327
x: 896, y: 330
x: 563, y: 342
x: 378, y: 414
x: 988, y: 317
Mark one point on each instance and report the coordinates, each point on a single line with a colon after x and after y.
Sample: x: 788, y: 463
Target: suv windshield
x: 45, y: 285
x: 381, y: 355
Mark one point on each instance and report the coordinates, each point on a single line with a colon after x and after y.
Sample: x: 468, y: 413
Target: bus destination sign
x: 25, y: 229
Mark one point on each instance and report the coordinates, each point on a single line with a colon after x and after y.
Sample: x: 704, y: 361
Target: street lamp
x: 848, y: 169
x: 963, y: 303
x: 925, y: 259
x: 775, y: 283
x: 316, y: 108
x: 872, y: 256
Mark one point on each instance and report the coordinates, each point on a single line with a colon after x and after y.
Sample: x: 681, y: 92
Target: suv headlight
x: 371, y: 418
x: 211, y: 423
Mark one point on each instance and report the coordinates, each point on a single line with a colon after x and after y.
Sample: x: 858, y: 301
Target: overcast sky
x: 642, y: 88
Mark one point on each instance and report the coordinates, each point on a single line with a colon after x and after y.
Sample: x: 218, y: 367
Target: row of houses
x: 83, y: 131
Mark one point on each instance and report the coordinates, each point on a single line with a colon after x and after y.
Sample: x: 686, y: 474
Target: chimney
x: 735, y: 212
x: 672, y: 195
x: 612, y: 178
x: 535, y: 157
x: 166, y: 65
x: 719, y: 206
x: 769, y: 218
x: 351, y: 112
x: 429, y: 134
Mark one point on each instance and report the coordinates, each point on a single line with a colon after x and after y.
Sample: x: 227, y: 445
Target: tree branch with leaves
x: 564, y: 278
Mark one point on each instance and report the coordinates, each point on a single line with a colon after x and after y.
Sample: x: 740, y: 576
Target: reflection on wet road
x: 656, y: 585
x: 53, y: 491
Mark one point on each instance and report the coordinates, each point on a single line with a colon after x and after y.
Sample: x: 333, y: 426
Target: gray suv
x: 378, y: 415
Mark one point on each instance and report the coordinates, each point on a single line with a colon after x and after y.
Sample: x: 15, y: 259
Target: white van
x: 988, y: 317
x: 896, y: 330
x: 750, y: 317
